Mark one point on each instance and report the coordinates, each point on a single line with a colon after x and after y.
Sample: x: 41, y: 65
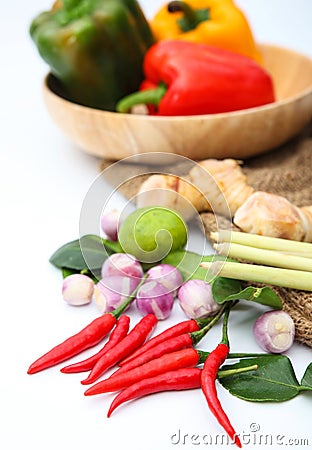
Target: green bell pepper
x: 94, y: 48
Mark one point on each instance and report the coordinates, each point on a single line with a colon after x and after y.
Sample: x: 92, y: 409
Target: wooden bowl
x: 240, y: 134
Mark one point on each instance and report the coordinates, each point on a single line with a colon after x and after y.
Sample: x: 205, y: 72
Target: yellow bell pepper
x: 214, y: 22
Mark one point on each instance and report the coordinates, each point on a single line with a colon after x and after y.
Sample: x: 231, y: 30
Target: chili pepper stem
x: 204, y: 355
x: 203, y: 321
x: 198, y: 335
x: 146, y: 97
x: 225, y: 338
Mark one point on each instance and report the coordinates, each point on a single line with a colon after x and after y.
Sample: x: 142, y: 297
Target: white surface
x: 44, y: 179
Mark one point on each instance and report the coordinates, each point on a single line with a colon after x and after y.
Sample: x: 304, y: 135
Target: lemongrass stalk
x: 294, y: 279
x: 301, y: 254
x: 264, y: 242
x: 266, y: 257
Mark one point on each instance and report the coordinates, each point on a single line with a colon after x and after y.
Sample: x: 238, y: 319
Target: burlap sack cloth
x: 286, y: 171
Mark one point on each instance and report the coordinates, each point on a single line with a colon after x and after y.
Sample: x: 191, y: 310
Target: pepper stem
x: 225, y: 338
x: 203, y: 321
x: 146, y: 97
x: 204, y: 355
x: 198, y: 335
x: 191, y: 17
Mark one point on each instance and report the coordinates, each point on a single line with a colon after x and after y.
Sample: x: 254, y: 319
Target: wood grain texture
x: 239, y: 134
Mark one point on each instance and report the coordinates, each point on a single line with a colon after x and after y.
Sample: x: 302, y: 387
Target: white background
x: 44, y: 179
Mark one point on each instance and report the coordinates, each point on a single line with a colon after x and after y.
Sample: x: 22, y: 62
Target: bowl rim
x: 199, y: 117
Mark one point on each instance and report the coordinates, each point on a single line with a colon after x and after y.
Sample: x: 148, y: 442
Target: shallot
x: 167, y: 275
x: 111, y: 292
x: 154, y: 298
x: 121, y: 264
x: 110, y: 223
x: 196, y: 299
x: 274, y: 331
x: 77, y: 289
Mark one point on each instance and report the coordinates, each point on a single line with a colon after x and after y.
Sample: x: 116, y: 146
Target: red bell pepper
x: 192, y: 78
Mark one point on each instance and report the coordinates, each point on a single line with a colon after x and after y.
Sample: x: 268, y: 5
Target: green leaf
x: 273, y: 381
x: 306, y: 382
x: 221, y: 290
x: 66, y: 272
x: 95, y: 275
x: 87, y: 253
x: 112, y: 246
x: 188, y: 264
x: 225, y: 289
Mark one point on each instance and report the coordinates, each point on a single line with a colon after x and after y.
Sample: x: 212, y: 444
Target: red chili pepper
x: 195, y: 78
x: 208, y: 382
x: 172, y: 344
x: 118, y: 333
x: 133, y: 340
x: 187, y: 357
x: 183, y: 327
x: 175, y: 380
x: 89, y: 336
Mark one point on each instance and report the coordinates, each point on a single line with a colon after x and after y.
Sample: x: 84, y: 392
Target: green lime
x: 151, y: 233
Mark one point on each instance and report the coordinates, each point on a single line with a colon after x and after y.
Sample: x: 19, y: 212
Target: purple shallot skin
x: 110, y: 224
x: 111, y: 292
x: 154, y: 298
x: 122, y: 264
x: 167, y: 275
x: 274, y: 331
x: 196, y: 299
